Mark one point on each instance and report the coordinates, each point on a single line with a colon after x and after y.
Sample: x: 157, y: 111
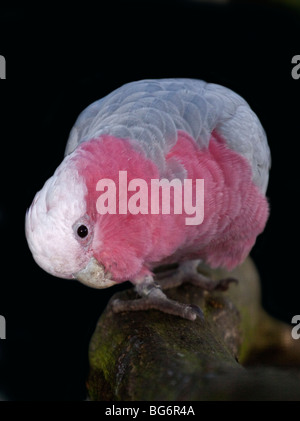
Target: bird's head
x: 60, y: 232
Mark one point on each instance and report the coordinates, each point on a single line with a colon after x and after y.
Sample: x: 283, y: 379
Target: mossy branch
x: 149, y: 355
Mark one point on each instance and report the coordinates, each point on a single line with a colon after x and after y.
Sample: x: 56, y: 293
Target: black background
x: 58, y: 62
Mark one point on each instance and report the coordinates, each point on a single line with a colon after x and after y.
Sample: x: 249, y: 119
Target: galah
x: 166, y: 129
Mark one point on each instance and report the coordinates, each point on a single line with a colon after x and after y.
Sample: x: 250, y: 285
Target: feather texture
x: 153, y: 129
x: 149, y: 113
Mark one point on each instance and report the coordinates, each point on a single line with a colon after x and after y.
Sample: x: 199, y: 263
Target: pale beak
x: 94, y: 275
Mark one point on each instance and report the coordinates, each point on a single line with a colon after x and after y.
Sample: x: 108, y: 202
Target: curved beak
x: 94, y: 275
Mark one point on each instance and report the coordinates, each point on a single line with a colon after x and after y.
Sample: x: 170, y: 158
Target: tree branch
x: 149, y: 355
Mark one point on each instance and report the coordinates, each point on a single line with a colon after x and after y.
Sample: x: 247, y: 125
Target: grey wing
x: 150, y: 112
x: 242, y: 130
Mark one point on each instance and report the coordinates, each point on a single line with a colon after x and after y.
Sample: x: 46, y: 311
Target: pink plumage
x: 232, y: 202
x: 150, y: 130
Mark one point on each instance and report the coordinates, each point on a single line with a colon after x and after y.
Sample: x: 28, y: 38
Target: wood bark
x: 152, y: 356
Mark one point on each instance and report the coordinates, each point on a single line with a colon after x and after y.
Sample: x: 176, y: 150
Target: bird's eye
x: 82, y: 231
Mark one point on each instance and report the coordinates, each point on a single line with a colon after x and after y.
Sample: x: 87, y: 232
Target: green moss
x: 150, y: 355
x: 102, y: 354
x: 121, y: 358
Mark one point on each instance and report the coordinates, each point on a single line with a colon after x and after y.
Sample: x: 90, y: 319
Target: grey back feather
x: 150, y: 112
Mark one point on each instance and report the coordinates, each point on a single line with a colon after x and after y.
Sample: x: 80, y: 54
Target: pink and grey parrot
x: 154, y: 129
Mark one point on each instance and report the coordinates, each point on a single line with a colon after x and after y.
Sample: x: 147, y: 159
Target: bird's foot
x: 152, y: 297
x: 187, y: 272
